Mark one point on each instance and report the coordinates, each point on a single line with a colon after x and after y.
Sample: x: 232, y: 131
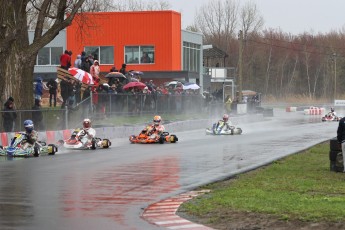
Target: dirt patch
x: 236, y: 220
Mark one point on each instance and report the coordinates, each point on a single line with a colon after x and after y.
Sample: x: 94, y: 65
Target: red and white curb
x: 163, y: 213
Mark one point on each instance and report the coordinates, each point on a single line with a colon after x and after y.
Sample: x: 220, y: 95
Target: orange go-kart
x: 155, y: 137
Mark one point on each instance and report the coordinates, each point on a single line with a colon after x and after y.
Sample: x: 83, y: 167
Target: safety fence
x: 102, y: 106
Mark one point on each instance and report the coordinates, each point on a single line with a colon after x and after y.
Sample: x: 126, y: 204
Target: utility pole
x: 240, y: 65
x: 335, y: 75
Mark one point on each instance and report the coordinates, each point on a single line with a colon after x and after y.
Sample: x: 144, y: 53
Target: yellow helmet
x: 157, y: 120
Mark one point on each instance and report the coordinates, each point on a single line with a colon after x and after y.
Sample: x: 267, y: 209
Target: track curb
x: 163, y: 213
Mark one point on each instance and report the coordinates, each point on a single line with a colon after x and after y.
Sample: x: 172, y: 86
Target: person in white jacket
x: 87, y: 134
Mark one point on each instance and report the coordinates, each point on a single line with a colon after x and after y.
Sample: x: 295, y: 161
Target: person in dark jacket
x: 37, y: 115
x: 52, y: 85
x: 9, y: 115
x: 341, y: 136
x: 123, y: 69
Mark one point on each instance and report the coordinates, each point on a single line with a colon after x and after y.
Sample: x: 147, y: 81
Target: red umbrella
x: 134, y: 84
x: 81, y: 75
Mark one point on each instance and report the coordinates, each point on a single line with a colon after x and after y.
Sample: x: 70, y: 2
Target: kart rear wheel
x: 106, y: 143
x: 173, y: 138
x: 239, y: 131
x: 52, y: 149
x: 132, y: 138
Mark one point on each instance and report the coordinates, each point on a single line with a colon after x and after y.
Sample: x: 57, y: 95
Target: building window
x: 49, y: 56
x: 139, y: 54
x: 104, y: 54
x: 191, y: 56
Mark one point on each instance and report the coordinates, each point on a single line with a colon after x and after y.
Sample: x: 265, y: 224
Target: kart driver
x: 31, y: 134
x: 332, y: 113
x: 87, y: 134
x: 154, y: 130
x: 223, y: 124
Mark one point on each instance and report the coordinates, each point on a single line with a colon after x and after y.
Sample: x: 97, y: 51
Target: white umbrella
x: 191, y: 86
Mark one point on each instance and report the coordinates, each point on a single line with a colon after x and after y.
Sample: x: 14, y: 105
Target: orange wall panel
x: 161, y: 29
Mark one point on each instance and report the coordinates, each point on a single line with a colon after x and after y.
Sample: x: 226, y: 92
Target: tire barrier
x: 291, y: 109
x: 335, y: 156
x: 314, y: 111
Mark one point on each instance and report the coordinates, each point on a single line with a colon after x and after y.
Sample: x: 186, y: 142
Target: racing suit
x: 154, y: 131
x: 86, y: 136
x: 31, y: 139
x: 222, y: 125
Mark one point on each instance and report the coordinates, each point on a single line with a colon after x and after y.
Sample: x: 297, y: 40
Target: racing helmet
x: 86, y: 123
x: 157, y: 120
x: 332, y: 109
x: 28, y: 125
x: 225, y: 117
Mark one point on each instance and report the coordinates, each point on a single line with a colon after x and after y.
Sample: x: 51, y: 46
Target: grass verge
x: 299, y: 187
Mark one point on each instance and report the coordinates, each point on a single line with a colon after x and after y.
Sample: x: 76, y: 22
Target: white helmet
x: 86, y: 123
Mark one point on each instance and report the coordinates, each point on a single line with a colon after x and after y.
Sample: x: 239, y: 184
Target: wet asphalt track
x: 108, y: 189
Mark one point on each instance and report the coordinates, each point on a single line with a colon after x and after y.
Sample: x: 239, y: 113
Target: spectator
x: 123, y: 69
x: 71, y: 93
x: 9, y: 115
x: 95, y: 70
x: 38, y: 88
x: 52, y: 85
x: 145, y: 58
x: 151, y: 86
x: 91, y: 59
x: 228, y: 103
x: 86, y: 64
x: 37, y: 115
x: 113, y: 69
x: 78, y: 92
x: 83, y: 56
x: 65, y: 60
x: 64, y: 85
x: 77, y: 62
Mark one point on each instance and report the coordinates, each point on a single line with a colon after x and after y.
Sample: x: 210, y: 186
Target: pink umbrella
x: 81, y: 75
x: 134, y: 84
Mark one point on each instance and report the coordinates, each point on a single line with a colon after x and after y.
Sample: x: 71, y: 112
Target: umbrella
x: 81, y: 75
x: 134, y: 84
x: 134, y: 72
x: 191, y: 86
x: 115, y: 75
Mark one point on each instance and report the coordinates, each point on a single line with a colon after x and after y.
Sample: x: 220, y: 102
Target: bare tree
x: 251, y: 20
x: 140, y: 5
x: 217, y: 21
x: 17, y: 56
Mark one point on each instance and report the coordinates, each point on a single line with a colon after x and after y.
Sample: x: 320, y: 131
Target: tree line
x: 276, y: 63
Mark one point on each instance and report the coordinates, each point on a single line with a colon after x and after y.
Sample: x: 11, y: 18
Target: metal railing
x: 105, y: 105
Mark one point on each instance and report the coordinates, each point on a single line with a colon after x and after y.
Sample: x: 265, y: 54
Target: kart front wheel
x: 36, y: 151
x: 162, y: 139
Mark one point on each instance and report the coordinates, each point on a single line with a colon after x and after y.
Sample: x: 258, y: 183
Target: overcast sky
x: 291, y: 16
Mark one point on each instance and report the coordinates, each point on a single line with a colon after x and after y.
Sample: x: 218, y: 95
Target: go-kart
x: 223, y: 130
x: 330, y: 117
x: 155, y: 137
x: 16, y: 148
x: 74, y: 142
